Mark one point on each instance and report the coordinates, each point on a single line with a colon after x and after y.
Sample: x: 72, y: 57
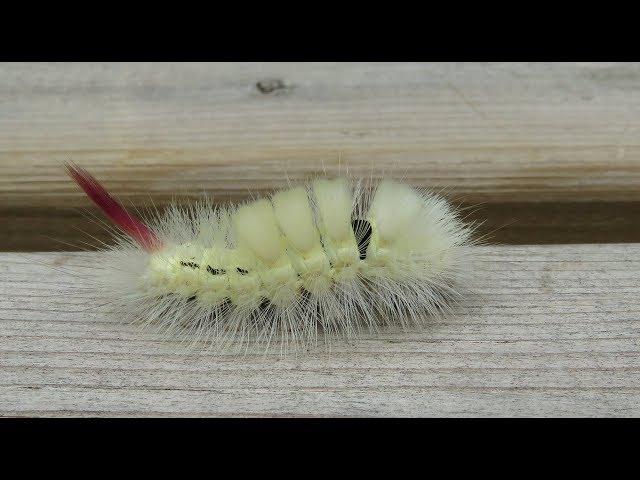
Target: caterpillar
x: 315, y: 262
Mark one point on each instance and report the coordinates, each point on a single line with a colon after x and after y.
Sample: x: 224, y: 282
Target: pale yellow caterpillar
x: 313, y: 262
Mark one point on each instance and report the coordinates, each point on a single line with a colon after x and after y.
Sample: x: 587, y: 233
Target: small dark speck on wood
x: 269, y: 85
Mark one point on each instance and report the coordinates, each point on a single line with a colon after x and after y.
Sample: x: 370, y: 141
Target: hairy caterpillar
x: 321, y: 260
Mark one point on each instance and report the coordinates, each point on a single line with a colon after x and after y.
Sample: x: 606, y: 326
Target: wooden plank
x: 555, y: 331
x: 505, y: 134
x: 491, y: 132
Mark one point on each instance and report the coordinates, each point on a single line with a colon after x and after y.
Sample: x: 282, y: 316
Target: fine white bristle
x: 310, y: 264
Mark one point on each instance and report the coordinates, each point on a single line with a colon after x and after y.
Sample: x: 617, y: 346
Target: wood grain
x: 555, y: 331
x: 502, y: 134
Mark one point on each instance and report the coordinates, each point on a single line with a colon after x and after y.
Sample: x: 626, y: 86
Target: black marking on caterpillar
x: 216, y: 271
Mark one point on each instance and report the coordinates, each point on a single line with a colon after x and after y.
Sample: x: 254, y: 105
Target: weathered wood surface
x: 555, y: 332
x: 505, y: 134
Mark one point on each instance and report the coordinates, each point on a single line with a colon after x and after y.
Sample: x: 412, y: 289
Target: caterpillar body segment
x: 319, y: 260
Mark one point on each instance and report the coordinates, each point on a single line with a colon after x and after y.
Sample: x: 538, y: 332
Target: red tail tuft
x: 113, y: 209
